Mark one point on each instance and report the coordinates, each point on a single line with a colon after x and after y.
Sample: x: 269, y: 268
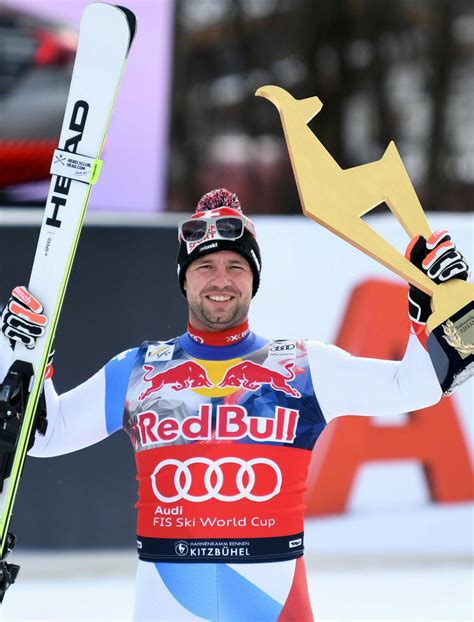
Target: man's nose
x: 221, y: 277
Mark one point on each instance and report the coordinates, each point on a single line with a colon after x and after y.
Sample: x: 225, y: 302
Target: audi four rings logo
x: 283, y: 348
x: 211, y: 479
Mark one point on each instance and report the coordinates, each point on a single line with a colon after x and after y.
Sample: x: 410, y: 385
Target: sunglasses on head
x: 221, y: 227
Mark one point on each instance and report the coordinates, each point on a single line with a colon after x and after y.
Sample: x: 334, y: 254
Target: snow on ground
x: 99, y: 586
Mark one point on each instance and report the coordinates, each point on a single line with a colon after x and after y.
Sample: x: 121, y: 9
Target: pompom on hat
x: 220, y: 202
x: 221, y: 197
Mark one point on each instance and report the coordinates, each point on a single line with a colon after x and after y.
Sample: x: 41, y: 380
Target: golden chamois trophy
x: 338, y: 198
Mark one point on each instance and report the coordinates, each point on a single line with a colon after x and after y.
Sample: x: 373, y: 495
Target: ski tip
x: 105, y: 14
x: 132, y: 22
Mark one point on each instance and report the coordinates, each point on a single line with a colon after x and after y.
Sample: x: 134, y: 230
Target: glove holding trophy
x: 338, y: 199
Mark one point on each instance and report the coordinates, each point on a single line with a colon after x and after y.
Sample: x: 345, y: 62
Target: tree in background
x: 384, y: 69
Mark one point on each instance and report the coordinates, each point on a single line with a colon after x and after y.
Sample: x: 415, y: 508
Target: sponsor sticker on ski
x: 74, y: 166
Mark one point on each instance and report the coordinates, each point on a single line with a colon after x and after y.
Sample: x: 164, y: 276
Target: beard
x: 215, y: 318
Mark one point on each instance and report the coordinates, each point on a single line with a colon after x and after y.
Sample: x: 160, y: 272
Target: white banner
x: 308, y: 275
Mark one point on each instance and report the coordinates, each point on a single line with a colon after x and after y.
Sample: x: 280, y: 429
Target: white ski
x: 105, y: 36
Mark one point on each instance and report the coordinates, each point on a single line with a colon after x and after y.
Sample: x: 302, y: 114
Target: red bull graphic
x: 250, y: 375
x: 232, y: 423
x: 187, y: 375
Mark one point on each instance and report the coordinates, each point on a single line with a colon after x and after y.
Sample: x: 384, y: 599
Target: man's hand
x: 22, y: 318
x: 23, y: 321
x: 438, y: 258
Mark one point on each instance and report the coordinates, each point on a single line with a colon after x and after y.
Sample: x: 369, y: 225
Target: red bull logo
x: 250, y: 375
x: 245, y: 375
x: 187, y: 375
x: 232, y: 422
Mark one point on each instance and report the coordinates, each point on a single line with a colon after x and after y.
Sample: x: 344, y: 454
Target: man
x: 223, y: 422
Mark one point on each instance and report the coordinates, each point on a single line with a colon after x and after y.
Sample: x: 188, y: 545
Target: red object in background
x: 35, y: 71
x: 23, y: 161
x: 375, y: 325
x: 54, y: 48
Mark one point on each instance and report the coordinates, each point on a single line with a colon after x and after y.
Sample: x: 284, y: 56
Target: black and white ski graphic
x: 106, y: 34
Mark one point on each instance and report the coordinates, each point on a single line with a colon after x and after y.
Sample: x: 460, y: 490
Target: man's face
x: 219, y: 290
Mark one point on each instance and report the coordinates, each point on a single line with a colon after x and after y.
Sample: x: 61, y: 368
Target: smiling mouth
x: 219, y: 298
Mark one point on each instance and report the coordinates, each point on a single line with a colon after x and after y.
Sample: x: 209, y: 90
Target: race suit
x: 222, y: 437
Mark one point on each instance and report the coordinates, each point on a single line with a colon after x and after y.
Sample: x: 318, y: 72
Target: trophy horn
x: 307, y: 108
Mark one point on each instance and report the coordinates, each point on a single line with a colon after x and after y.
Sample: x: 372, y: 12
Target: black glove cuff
x: 419, y: 307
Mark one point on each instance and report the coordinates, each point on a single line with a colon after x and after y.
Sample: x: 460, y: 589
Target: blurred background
x: 398, y: 69
x: 390, y: 535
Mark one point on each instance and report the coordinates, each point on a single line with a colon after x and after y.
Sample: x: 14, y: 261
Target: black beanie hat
x: 220, y: 202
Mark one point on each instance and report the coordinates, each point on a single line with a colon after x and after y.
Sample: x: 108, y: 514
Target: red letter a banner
x: 375, y: 325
